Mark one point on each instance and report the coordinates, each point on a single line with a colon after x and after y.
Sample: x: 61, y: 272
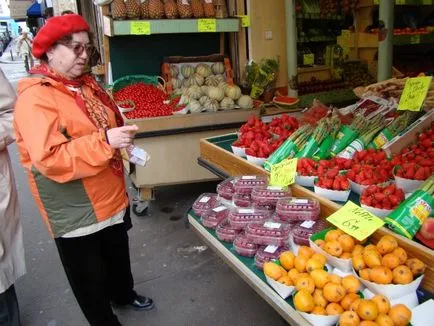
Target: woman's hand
x: 121, y: 137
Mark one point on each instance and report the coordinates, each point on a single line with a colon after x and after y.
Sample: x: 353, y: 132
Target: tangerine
x: 320, y: 243
x: 351, y: 284
x: 347, y: 242
x: 320, y: 278
x: 334, y: 308
x: 390, y: 261
x: 300, y: 263
x: 346, y: 255
x: 368, y: 323
x: 348, y: 299
x: 402, y: 275
x: 367, y: 310
x: 381, y: 275
x: 272, y: 270
x: 358, y: 262
x: 334, y: 292
x: 384, y: 320
x: 382, y: 302
x: 333, y: 235
x: 416, y: 266
x: 400, y: 315
x: 305, y: 251
x: 321, y: 258
x: 401, y: 254
x: 349, y: 318
x: 333, y: 278
x: 293, y: 274
x: 387, y: 244
x: 318, y: 298
x: 303, y: 301
x: 372, y: 258
x: 370, y: 247
x: 358, y: 249
x: 333, y: 248
x: 305, y: 283
x: 286, y: 280
x: 355, y: 304
x: 313, y: 264
x: 365, y: 274
x: 319, y: 311
x: 287, y: 260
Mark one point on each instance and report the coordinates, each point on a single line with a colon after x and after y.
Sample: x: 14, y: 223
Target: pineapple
x: 145, y: 9
x: 184, y: 9
x: 119, y: 10
x: 171, y: 9
x: 156, y: 9
x: 133, y: 9
x: 197, y: 8
x: 208, y: 8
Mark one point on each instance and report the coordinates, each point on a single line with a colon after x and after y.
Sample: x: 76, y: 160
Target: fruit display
x: 297, y: 209
x: 205, y: 202
x: 212, y: 217
x: 244, y: 247
x: 266, y: 254
x: 302, y: 231
x: 226, y: 189
x: 268, y: 233
x: 226, y: 232
x: 245, y: 184
x: 241, y: 217
x: 382, y: 197
x: 267, y: 197
x: 242, y: 199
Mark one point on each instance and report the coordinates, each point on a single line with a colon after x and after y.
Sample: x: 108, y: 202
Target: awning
x: 34, y: 10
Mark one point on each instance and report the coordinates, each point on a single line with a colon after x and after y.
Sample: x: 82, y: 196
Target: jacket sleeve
x: 54, y: 155
x: 7, y: 99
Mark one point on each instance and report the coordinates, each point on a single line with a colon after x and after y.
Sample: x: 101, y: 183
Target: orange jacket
x: 66, y: 156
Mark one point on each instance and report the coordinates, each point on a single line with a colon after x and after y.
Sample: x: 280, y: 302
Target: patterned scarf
x: 93, y: 101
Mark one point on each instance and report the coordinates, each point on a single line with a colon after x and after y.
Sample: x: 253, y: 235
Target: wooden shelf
x: 413, y: 39
x: 370, y: 3
x: 316, y: 39
x: 317, y: 16
x: 166, y: 26
x: 368, y: 40
x: 304, y: 70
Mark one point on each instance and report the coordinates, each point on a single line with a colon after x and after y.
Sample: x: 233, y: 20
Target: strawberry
x: 389, y: 190
x: 332, y: 173
x: 328, y: 183
x: 420, y: 174
x: 345, y: 184
x: 336, y: 185
x: 394, y: 200
x: 379, y: 196
x: 250, y: 152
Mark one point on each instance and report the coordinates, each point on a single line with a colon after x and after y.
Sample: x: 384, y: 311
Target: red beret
x: 56, y: 28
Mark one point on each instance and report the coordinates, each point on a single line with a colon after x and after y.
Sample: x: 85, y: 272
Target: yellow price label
x: 346, y: 34
x: 205, y: 25
x: 415, y: 39
x: 283, y: 173
x: 140, y: 28
x: 356, y: 221
x: 245, y: 20
x: 414, y: 93
x: 376, y: 2
x: 309, y: 59
x: 400, y: 2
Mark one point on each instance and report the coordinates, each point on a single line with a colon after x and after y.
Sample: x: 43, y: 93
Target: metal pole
x: 291, y: 46
x: 385, y: 48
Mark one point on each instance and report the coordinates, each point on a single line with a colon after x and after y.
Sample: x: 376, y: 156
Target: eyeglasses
x: 79, y: 48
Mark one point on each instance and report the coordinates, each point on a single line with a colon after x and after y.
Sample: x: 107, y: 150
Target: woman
x: 12, y: 264
x: 69, y: 134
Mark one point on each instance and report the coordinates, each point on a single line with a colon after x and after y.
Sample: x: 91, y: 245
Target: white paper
x: 271, y: 249
x: 248, y: 177
x: 204, y: 199
x: 219, y: 209
x: 422, y: 315
x: 246, y: 211
x: 272, y: 225
x: 307, y: 224
x: 299, y: 201
x: 274, y: 188
x: 140, y: 153
x: 283, y: 290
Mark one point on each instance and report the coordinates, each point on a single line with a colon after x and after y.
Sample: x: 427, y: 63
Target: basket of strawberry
x: 307, y: 171
x: 333, y: 186
x: 362, y: 175
x: 410, y: 176
x: 381, y: 200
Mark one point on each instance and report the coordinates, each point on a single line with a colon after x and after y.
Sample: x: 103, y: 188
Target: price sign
x: 400, y: 2
x: 414, y: 93
x: 140, y: 28
x: 376, y: 2
x: 415, y: 39
x: 283, y: 173
x: 245, y: 20
x: 355, y: 221
x: 309, y: 59
x: 346, y: 34
x: 205, y: 25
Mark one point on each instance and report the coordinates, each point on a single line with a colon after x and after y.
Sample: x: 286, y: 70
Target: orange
x: 300, y: 263
x: 348, y: 300
x: 400, y: 315
x: 333, y: 278
x: 384, y: 320
x: 382, y: 302
x: 351, y: 284
x: 372, y: 258
x: 365, y: 274
x: 349, y: 318
x: 390, y: 260
x: 334, y: 292
x: 287, y: 260
x: 358, y: 249
x: 387, y: 244
x: 313, y: 264
x: 401, y: 254
x: 319, y: 311
x: 286, y: 280
x: 303, y: 301
x: 305, y: 283
x: 402, y: 275
x: 358, y: 262
x: 347, y: 242
x: 272, y: 270
x: 320, y: 278
x: 318, y: 298
x: 368, y: 323
x: 333, y: 235
x: 333, y: 248
x: 381, y: 275
x: 293, y: 274
x: 355, y: 304
x: 370, y: 247
x: 367, y: 310
x: 283, y: 271
x: 346, y: 255
x: 334, y: 308
x: 320, y: 243
x: 321, y: 258
x: 305, y: 251
x: 416, y: 266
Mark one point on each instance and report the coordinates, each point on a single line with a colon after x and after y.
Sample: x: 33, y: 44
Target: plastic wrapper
x: 245, y: 184
x: 241, y: 217
x: 297, y: 209
x: 267, y: 253
x: 242, y: 200
x: 212, y: 217
x: 304, y: 230
x: 226, y: 189
x: 244, y: 247
x: 225, y: 232
x: 205, y: 202
x: 267, y: 197
x: 269, y: 233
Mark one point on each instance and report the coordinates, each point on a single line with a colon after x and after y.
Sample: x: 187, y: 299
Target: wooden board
x: 234, y: 165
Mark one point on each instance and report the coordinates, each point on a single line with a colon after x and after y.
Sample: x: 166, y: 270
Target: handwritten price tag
x: 355, y: 221
x: 140, y: 28
x: 207, y: 25
x: 414, y: 93
x: 245, y: 20
x: 309, y: 59
x: 283, y: 173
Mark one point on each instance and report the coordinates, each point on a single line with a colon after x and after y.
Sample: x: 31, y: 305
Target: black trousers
x: 99, y: 272
x: 9, y: 312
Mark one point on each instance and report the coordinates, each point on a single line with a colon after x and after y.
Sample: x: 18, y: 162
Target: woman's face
x: 70, y: 58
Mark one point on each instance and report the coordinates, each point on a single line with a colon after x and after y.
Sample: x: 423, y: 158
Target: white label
x: 204, y: 199
x: 299, y: 201
x: 249, y: 177
x: 246, y: 211
x: 271, y: 249
x: 307, y: 224
x: 272, y: 225
x: 208, y: 1
x: 219, y: 209
x: 185, y: 2
x: 274, y: 188
x: 140, y: 153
